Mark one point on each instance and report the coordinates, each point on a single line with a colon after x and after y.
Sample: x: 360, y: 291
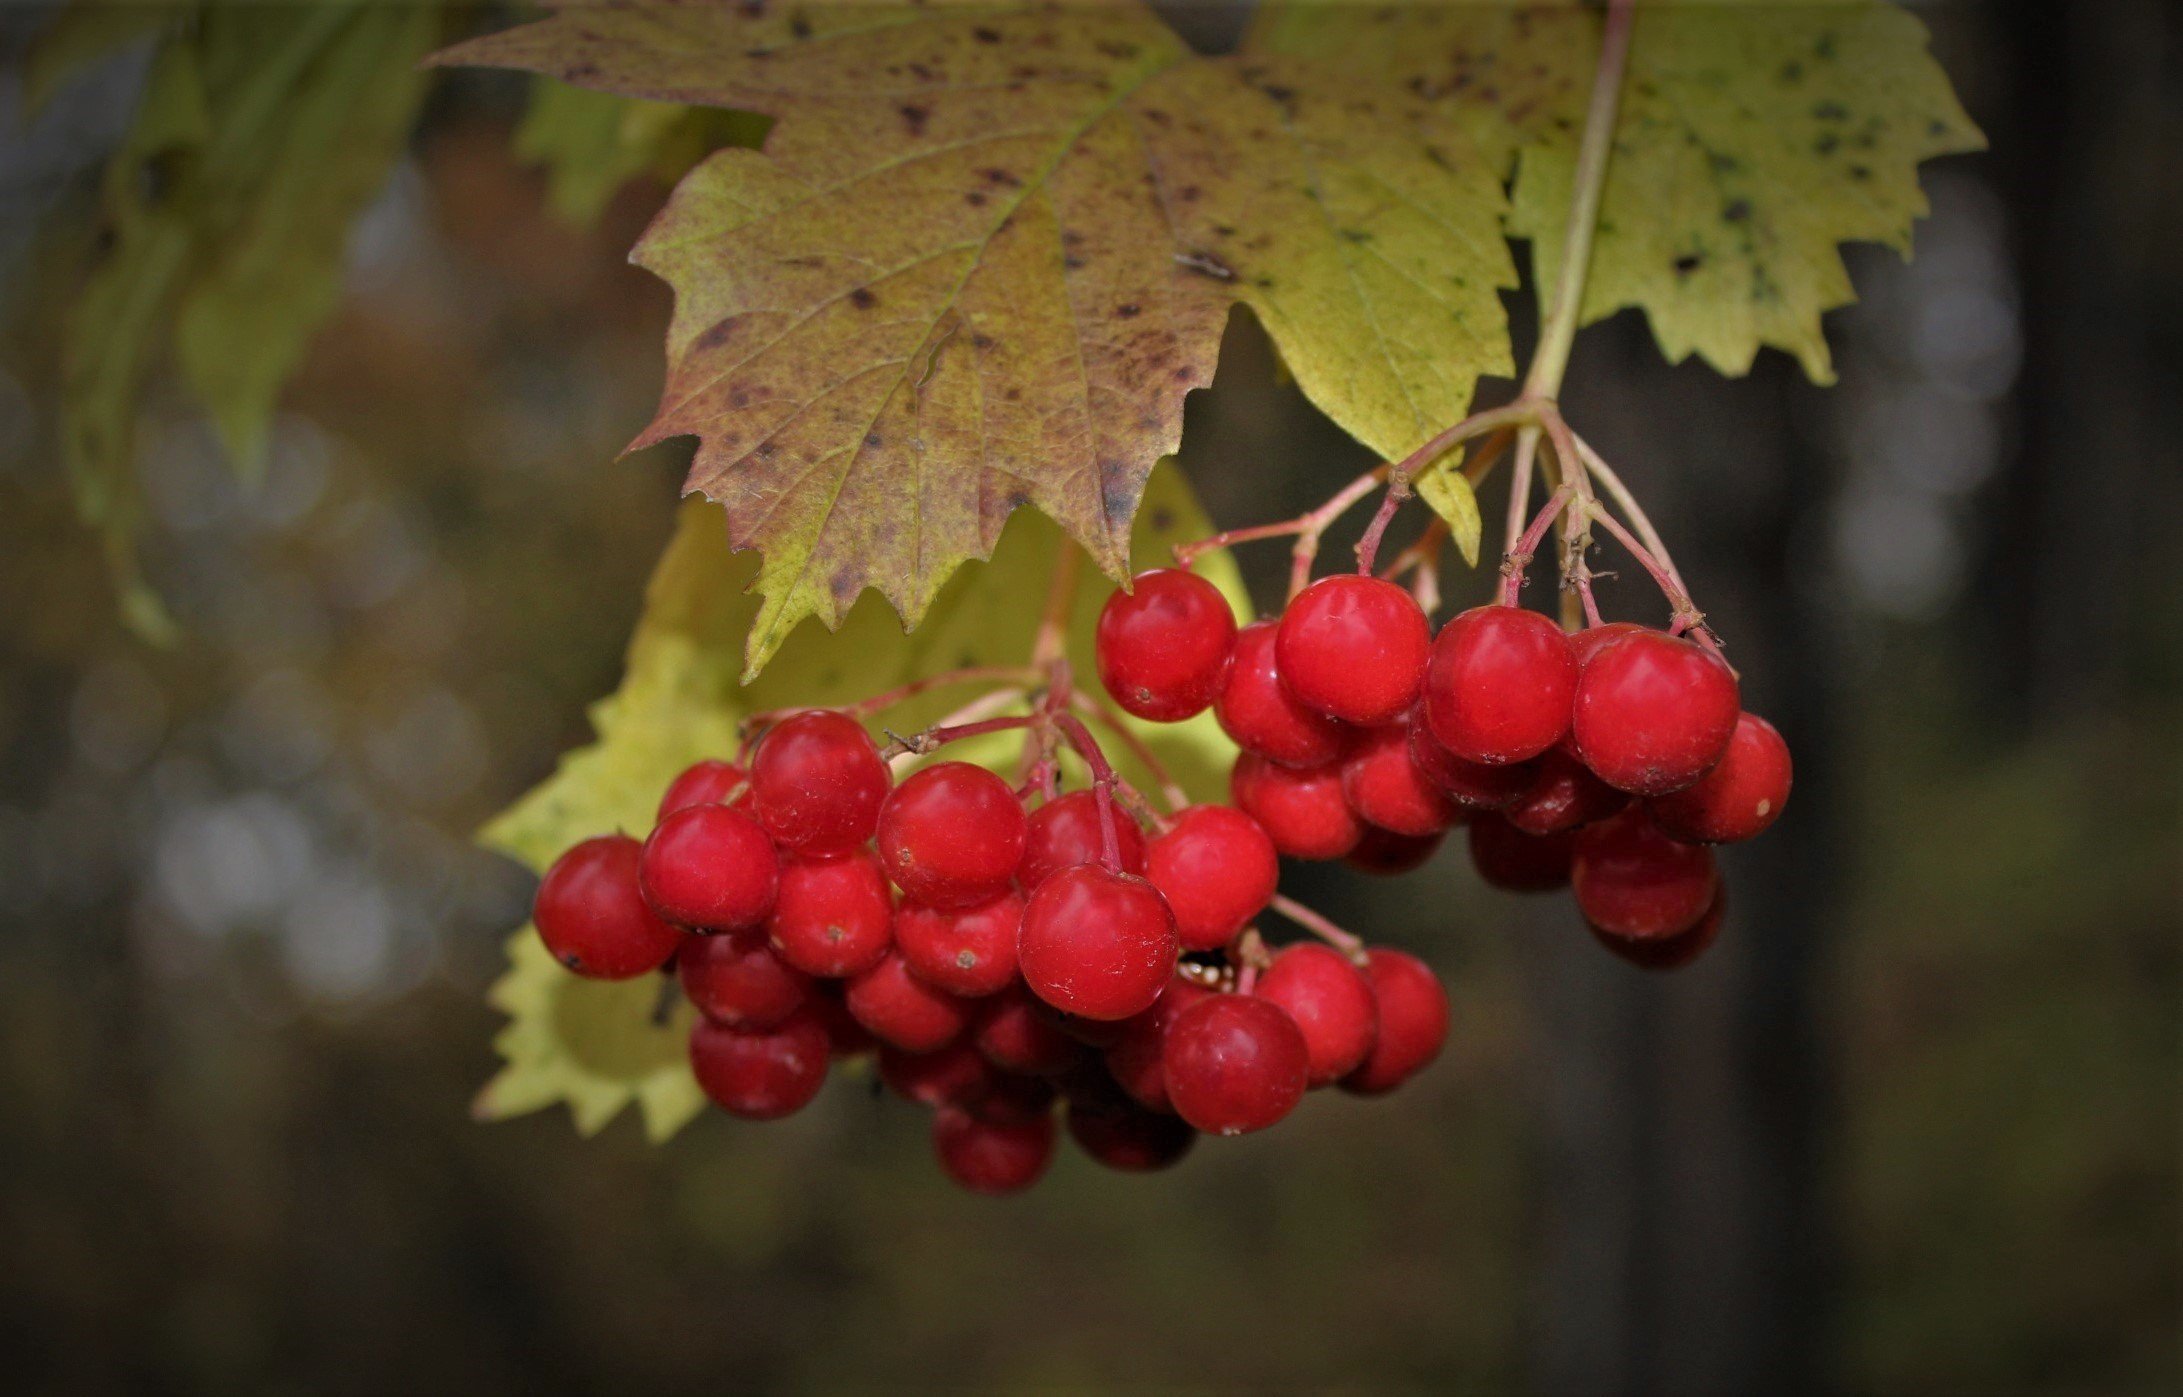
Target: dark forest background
x: 1913, y: 1127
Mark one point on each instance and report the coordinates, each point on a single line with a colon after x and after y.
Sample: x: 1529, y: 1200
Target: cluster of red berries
x: 1055, y: 955
x: 1607, y: 761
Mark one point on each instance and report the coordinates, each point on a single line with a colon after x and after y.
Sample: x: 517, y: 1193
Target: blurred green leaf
x: 592, y: 143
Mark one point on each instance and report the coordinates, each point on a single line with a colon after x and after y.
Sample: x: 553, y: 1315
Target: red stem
x: 1519, y: 557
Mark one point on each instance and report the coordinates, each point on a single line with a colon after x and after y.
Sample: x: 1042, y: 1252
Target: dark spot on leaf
x: 799, y: 27
x: 1724, y: 163
x: 1860, y: 172
x: 1001, y: 177
x: 1936, y: 128
x: 1263, y: 283
x: 1012, y: 395
x: 739, y: 398
x: 1158, y: 117
x: 577, y: 72
x: 985, y: 36
x: 1792, y: 71
x: 716, y: 334
x: 1827, y: 144
x: 1224, y: 230
x: 1072, y: 263
x: 914, y: 117
x: 1070, y: 237
x: 1188, y: 193
x: 1831, y: 111
x: 871, y: 439
x: 766, y: 451
x: 1356, y: 235
x: 1114, y: 48
x: 862, y: 298
x: 844, y: 584
x: 974, y: 199
x: 1162, y: 519
x: 1824, y: 49
x: 1183, y: 373
x: 1737, y: 211
x: 1128, y: 311
x: 922, y: 73
x: 981, y: 341
x: 1687, y: 263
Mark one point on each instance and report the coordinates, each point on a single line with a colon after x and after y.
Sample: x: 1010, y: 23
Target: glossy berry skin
x: 1653, y: 713
x: 817, y: 781
x: 1234, y: 1063
x: 1332, y: 1004
x: 952, y: 835
x: 591, y: 913
x: 970, y: 951
x: 1302, y: 810
x: 1384, y: 853
x: 1500, y: 684
x: 834, y: 915
x: 1471, y: 785
x: 1413, y: 1022
x: 706, y: 783
x: 1669, y: 952
x: 760, y: 1075
x: 1065, y: 832
x: 1122, y: 1135
x: 1353, y: 647
x: 1633, y: 881
x: 1134, y: 1061
x: 1588, y: 642
x: 1739, y: 797
x: 1163, y: 646
x: 1097, y: 944
x: 710, y: 868
x: 1516, y: 862
x: 954, y: 1076
x: 1260, y: 715
x: 1217, y: 869
x: 1388, y: 789
x: 735, y: 979
x: 1012, y: 1099
x: 1563, y: 795
x: 898, y: 1008
x: 993, y: 1158
x: 1016, y: 1036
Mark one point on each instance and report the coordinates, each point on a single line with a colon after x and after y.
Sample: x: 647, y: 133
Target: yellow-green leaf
x: 985, y: 253
x: 1447, y: 492
x: 680, y: 700
x: 592, y: 143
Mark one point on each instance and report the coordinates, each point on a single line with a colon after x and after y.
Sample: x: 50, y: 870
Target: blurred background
x: 1913, y: 1126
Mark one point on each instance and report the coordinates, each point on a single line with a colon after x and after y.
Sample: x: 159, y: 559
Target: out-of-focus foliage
x: 592, y: 143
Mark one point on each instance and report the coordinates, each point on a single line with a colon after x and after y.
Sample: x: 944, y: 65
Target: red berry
x: 952, y: 835
x: 1669, y: 952
x: 1385, y: 853
x: 760, y: 1075
x: 1097, y: 944
x: 1386, y: 788
x: 1163, y: 646
x: 1632, y: 880
x: 1092, y: 1033
x: 901, y: 1009
x: 1586, y: 643
x: 1331, y: 1003
x: 1066, y: 832
x: 1260, y: 715
x: 591, y: 913
x: 1353, y: 647
x: 1301, y: 809
x: 1516, y: 862
x: 1123, y: 1135
x: 992, y: 1157
x: 817, y: 781
x: 734, y: 979
x: 1739, y: 797
x: 845, y: 1037
x: 1413, y: 1019
x: 1471, y: 785
x: 1234, y: 1063
x: 707, y: 783
x: 1499, y: 687
x: 1016, y: 1037
x: 1217, y: 869
x: 969, y: 951
x: 1134, y: 1059
x: 710, y: 867
x: 1654, y: 712
x: 1563, y: 794
x: 953, y: 1076
x: 1012, y: 1098
x: 834, y: 915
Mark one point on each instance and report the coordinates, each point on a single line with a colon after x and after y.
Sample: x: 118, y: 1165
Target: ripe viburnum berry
x: 954, y: 1076
x: 1163, y: 646
x: 1016, y: 1036
x: 1516, y: 862
x: 1301, y: 809
x: 1260, y: 715
x: 1217, y: 869
x: 1384, y: 853
x: 816, y: 782
x: 1353, y: 647
x: 1500, y: 684
x: 901, y: 1009
x: 1739, y: 797
x: 1653, y: 712
x: 1121, y: 1134
x: 1234, y: 1063
x: 833, y: 915
x: 1590, y: 641
x: 711, y: 868
x: 845, y: 1037
x: 1134, y: 1059
x: 1669, y: 952
x: 1388, y: 789
x: 1563, y: 794
x: 706, y: 783
x: 991, y: 1157
x: 763, y: 1074
x: 1413, y: 1021
x: 1331, y: 1002
x: 1471, y: 785
x: 1632, y: 880
x: 1097, y: 944
x: 736, y: 980
x: 967, y: 951
x: 1065, y: 832
x: 591, y: 913
x: 952, y: 835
